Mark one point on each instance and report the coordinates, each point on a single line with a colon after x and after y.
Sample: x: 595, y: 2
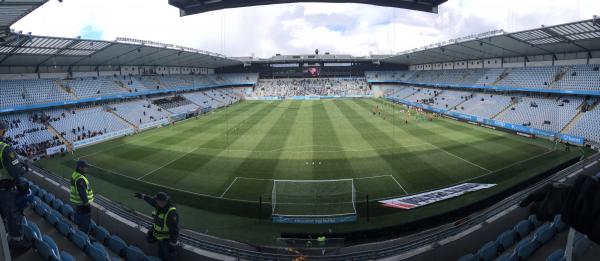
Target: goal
x: 313, y: 201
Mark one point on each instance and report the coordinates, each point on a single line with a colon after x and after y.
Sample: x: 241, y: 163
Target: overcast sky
x: 297, y: 28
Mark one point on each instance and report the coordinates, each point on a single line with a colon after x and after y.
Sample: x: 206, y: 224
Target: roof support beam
x: 71, y: 44
x: 555, y: 34
x: 20, y: 42
x: 532, y: 45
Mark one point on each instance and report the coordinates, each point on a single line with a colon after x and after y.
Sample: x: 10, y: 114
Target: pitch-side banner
x: 422, y: 199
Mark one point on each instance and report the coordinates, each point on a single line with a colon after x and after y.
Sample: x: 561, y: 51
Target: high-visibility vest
x: 74, y: 194
x: 3, y: 171
x: 160, y: 228
x: 2, y: 147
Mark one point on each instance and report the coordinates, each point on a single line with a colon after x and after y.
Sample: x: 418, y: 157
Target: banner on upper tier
x: 422, y: 199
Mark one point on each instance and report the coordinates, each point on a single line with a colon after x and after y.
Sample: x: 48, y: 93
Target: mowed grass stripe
x: 258, y: 169
x: 219, y: 171
x: 491, y: 150
x: 368, y: 168
x: 137, y: 159
x: 327, y: 165
x: 149, y: 137
x: 298, y: 149
x: 188, y: 164
x: 444, y: 138
x: 406, y: 164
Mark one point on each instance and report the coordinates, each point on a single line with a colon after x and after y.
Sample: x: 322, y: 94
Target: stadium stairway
x: 122, y: 85
x: 572, y: 122
x: 135, y: 127
x: 71, y: 92
x: 513, y: 103
x: 502, y: 76
x: 54, y: 132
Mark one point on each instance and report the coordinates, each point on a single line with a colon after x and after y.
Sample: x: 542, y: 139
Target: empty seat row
x: 526, y: 237
x: 60, y: 216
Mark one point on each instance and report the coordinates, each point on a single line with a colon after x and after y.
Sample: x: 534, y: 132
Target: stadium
x: 416, y: 155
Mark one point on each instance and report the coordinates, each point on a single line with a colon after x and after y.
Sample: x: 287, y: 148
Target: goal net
x: 313, y: 201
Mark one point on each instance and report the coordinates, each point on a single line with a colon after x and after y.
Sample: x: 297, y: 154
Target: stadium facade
x: 542, y: 83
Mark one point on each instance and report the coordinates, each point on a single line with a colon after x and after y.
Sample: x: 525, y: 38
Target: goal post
x: 313, y: 201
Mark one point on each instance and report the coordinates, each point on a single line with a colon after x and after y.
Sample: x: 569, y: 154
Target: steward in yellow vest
x: 81, y: 196
x: 10, y: 166
x: 165, y: 229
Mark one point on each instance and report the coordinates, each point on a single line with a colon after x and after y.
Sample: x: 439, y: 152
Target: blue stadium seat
x: 508, y: 257
x: 151, y: 258
x: 56, y: 203
x: 526, y: 248
x: 545, y: 233
x: 64, y: 228
x: 41, y: 193
x: 65, y: 256
x: 31, y: 232
x: 581, y: 245
x: 52, y: 217
x: 468, y: 257
x: 34, y: 188
x: 67, y: 211
x: 488, y: 252
x: 558, y: 255
x: 41, y: 209
x: 97, y: 252
x: 80, y: 239
x: 101, y: 234
x: 523, y: 228
x: 558, y: 223
x: 534, y: 221
x: 48, y: 198
x: 46, y: 248
x: 116, y: 244
x: 133, y: 253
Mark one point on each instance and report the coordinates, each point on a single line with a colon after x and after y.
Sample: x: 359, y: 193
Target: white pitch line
x: 230, y: 185
x: 461, y: 158
x: 374, y: 177
x: 166, y: 164
x: 503, y: 168
x: 400, y: 185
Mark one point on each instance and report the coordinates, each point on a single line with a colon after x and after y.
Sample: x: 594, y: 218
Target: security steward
x: 165, y: 229
x: 13, y: 188
x: 81, y: 196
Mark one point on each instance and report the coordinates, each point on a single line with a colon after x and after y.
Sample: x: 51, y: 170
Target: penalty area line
x: 166, y: 164
x: 230, y: 185
x: 459, y: 157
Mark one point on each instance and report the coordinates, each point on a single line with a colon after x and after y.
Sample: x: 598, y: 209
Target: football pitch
x: 236, y: 153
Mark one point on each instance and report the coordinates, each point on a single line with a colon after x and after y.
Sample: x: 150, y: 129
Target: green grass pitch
x: 237, y: 152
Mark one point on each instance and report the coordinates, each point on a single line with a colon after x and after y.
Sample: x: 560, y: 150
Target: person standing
x: 165, y: 230
x: 81, y: 196
x: 12, y: 190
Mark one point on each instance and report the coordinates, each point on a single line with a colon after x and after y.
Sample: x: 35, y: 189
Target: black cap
x: 161, y: 196
x: 3, y: 125
x: 82, y: 163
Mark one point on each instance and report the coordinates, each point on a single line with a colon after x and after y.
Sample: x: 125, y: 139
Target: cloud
x: 263, y: 31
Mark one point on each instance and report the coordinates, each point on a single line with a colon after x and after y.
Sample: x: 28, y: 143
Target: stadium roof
x: 190, y: 7
x: 28, y: 50
x: 13, y: 10
x: 309, y: 58
x: 582, y: 36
